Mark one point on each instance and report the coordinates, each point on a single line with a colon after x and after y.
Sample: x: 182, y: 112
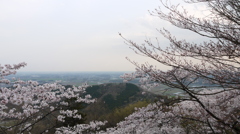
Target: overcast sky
x: 76, y: 35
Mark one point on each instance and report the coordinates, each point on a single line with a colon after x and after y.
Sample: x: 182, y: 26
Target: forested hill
x: 113, y: 95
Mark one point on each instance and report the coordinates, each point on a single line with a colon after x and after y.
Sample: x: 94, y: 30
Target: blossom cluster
x: 185, y: 116
x: 93, y: 126
x: 23, y: 100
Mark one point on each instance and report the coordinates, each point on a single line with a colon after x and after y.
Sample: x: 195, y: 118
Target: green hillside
x: 112, y: 96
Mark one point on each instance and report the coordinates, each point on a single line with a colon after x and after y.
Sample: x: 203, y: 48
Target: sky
x: 78, y: 35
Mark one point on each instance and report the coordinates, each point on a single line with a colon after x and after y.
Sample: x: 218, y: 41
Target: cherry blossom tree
x: 26, y: 104
x: 207, y: 72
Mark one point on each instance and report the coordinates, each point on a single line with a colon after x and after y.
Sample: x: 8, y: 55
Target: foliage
x: 114, y: 95
x: 92, y: 90
x: 120, y: 113
x: 108, y: 99
x: 122, y: 98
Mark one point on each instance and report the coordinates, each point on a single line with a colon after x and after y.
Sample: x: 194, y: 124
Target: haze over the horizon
x: 78, y: 35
